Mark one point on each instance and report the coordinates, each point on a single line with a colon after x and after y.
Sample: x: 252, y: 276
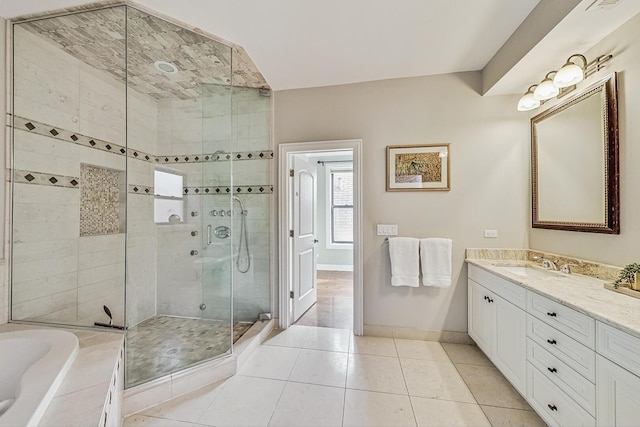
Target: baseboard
x: 417, y: 334
x: 334, y: 267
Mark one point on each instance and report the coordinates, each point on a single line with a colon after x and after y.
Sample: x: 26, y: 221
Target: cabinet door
x: 618, y: 395
x: 510, y: 348
x: 482, y: 317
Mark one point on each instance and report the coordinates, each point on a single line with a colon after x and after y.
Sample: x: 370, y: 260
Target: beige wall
x: 489, y: 177
x: 623, y: 248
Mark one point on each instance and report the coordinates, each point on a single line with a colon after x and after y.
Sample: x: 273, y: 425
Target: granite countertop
x: 581, y: 293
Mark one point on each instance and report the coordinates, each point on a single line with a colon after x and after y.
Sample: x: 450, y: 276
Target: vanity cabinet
x: 572, y: 369
x: 499, y: 329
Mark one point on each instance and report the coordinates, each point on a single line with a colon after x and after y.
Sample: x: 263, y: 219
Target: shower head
x: 239, y: 200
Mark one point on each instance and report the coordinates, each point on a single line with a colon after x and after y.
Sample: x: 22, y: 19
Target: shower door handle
x: 208, y: 234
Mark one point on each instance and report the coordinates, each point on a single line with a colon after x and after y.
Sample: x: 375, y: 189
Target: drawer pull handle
x: 490, y: 300
x: 551, y: 314
x: 552, y: 370
x: 552, y: 342
x: 553, y: 407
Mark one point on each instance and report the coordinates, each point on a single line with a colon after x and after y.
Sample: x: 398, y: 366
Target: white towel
x: 435, y: 256
x: 405, y: 262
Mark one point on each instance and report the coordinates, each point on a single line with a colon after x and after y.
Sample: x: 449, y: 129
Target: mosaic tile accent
x: 140, y: 189
x: 51, y: 180
x: 99, y: 200
x: 162, y: 344
x: 60, y: 134
x: 244, y: 189
x: 215, y: 157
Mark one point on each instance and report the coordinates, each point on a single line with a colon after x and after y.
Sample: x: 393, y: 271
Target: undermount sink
x: 528, y: 272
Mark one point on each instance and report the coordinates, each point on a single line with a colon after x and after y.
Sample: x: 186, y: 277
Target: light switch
x: 491, y: 234
x: 387, y: 229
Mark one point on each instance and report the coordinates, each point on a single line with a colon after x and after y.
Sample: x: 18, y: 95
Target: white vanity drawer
x: 620, y: 347
x: 509, y: 291
x: 571, y: 352
x: 575, y: 385
x: 578, y: 326
x: 552, y: 404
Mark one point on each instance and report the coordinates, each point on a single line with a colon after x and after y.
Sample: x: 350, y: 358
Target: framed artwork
x: 418, y: 167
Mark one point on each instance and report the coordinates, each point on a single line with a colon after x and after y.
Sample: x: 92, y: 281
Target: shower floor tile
x: 164, y: 344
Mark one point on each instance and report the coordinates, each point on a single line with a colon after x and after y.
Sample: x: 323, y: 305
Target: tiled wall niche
x: 102, y: 201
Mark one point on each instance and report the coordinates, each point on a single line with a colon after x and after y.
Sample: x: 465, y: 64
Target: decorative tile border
x: 51, y: 180
x: 60, y: 134
x: 241, y: 189
x: 140, y: 189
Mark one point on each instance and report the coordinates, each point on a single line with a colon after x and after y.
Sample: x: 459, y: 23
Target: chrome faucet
x: 547, y: 264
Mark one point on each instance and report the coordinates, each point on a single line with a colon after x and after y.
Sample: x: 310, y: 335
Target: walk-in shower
x: 129, y: 131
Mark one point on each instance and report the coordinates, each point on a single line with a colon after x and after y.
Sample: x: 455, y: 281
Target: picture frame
x: 418, y: 167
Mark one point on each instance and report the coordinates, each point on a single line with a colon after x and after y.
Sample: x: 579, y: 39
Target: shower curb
x: 156, y: 392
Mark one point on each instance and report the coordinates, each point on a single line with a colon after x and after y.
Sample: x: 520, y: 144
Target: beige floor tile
x: 375, y: 373
x: 329, y: 339
x: 320, y: 367
x: 435, y: 380
x: 376, y: 346
x: 293, y: 336
x: 142, y: 420
x: 309, y: 405
x: 505, y: 417
x: 489, y: 387
x: 370, y: 409
x: 270, y: 362
x: 441, y: 413
x: 467, y: 354
x: 425, y: 350
x: 244, y: 401
x: 189, y: 407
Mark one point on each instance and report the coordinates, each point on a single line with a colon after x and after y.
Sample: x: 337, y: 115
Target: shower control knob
x: 194, y: 213
x: 229, y: 212
x: 194, y: 233
x: 194, y: 253
x: 222, y: 213
x: 213, y: 213
x: 203, y: 307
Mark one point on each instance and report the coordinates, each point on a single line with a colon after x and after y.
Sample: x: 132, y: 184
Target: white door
x: 305, y: 225
x: 482, y: 317
x: 510, y: 345
x: 617, y: 395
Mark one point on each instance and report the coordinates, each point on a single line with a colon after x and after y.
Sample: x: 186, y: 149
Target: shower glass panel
x: 178, y: 281
x: 69, y: 194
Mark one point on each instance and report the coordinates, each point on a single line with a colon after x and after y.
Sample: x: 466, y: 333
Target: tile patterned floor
x: 164, y: 344
x: 312, y: 376
x: 334, y: 307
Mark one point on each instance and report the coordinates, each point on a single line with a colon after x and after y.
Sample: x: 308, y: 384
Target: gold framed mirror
x: 575, y: 162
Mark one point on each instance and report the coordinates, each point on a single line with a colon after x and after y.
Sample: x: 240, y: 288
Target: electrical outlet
x: 387, y: 229
x: 491, y: 234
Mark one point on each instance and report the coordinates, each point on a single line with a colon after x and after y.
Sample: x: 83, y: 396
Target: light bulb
x: 528, y: 102
x: 546, y: 89
x: 570, y: 73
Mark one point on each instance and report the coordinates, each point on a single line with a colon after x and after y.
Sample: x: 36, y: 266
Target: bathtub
x: 33, y: 364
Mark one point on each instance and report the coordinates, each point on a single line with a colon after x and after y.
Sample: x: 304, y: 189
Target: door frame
x: 285, y: 188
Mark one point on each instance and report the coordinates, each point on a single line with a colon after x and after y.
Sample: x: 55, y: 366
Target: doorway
x: 320, y: 235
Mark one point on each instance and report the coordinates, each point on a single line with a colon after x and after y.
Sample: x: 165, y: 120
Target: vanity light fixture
x: 562, y: 82
x: 546, y: 89
x: 571, y: 73
x: 528, y: 101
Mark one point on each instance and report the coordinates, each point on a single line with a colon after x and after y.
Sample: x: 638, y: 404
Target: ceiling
x: 297, y: 44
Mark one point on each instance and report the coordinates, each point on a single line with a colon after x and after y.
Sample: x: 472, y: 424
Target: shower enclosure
x: 141, y: 184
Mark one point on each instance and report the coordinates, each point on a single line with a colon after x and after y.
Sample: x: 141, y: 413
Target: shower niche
x: 129, y: 131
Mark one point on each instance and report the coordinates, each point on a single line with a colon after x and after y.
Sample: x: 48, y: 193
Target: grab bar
x: 208, y: 234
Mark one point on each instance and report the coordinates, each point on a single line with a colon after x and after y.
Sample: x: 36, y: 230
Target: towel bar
x: 386, y: 240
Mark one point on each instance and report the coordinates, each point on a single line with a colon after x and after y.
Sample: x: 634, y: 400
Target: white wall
x: 489, y: 164
x: 623, y: 248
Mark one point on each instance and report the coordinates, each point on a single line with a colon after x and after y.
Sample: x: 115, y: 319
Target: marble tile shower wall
x: 59, y: 276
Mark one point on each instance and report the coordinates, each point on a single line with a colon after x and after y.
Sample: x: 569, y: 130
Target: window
x: 341, y: 202
x: 169, y: 199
